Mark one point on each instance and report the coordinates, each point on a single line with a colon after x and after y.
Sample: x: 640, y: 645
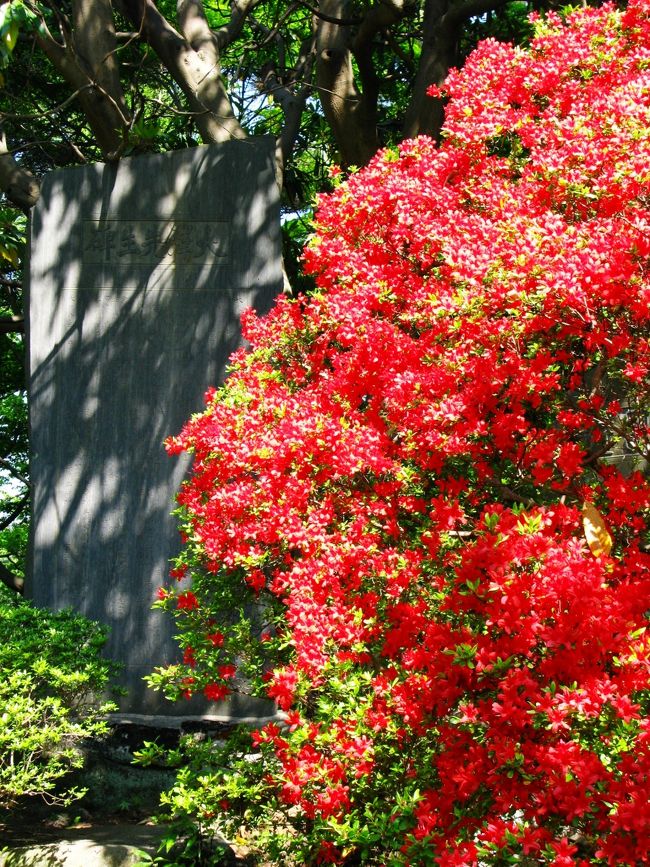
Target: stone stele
x: 139, y: 272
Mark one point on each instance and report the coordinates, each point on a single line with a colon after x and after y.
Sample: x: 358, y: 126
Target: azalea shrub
x: 418, y: 512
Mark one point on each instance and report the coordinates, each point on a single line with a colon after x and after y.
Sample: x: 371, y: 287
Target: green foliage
x: 509, y: 24
x: 14, y: 16
x: 14, y: 493
x: 52, y: 679
x: 212, y: 774
x: 294, y: 236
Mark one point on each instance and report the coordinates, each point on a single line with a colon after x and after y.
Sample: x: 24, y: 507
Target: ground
x: 117, y: 812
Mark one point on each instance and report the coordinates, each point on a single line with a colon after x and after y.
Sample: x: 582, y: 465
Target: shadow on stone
x: 139, y: 272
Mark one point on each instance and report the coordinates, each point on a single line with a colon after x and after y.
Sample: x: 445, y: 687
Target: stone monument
x: 139, y: 272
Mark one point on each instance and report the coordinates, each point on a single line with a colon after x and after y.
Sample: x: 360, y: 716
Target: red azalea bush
x: 409, y: 521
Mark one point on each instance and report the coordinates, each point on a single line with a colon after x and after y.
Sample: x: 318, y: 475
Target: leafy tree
x: 132, y: 75
x: 406, y: 521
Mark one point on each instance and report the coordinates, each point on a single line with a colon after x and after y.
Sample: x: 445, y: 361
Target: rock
x: 99, y: 846
x: 72, y: 853
x: 117, y: 845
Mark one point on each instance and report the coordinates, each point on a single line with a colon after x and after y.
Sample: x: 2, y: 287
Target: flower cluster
x: 423, y: 487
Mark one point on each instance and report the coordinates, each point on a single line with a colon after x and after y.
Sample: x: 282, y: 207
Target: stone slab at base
x: 85, y: 852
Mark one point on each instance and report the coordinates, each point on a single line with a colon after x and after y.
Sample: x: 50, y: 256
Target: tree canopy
x: 95, y: 79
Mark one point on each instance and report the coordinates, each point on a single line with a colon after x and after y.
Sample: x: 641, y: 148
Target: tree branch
x: 239, y: 11
x: 425, y: 115
x: 105, y: 110
x: 5, y: 465
x: 14, y: 513
x: 200, y: 80
x: 273, y: 33
x: 399, y: 52
x: 292, y: 104
x: 458, y: 14
x: 13, y: 582
x: 12, y: 325
x: 330, y: 19
x: 95, y: 42
x: 19, y: 185
x: 351, y: 119
x: 195, y: 28
x: 46, y: 112
x: 379, y: 17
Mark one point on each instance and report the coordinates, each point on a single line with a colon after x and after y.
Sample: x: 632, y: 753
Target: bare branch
x: 11, y: 517
x: 172, y: 111
x: 330, y: 19
x: 5, y: 465
x: 406, y: 59
x: 292, y: 103
x: 240, y: 9
x: 46, y: 112
x: 63, y: 22
x: 13, y: 582
x: 11, y: 324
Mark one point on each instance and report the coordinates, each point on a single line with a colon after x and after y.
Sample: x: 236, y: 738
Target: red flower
x: 282, y: 687
x: 187, y: 601
x: 401, y: 460
x: 215, y: 691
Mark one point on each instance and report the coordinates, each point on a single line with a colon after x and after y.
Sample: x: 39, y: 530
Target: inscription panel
x: 155, y: 242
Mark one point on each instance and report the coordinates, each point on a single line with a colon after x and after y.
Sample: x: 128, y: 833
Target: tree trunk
x: 425, y: 114
x: 350, y: 114
x: 19, y: 185
x: 197, y: 72
x: 443, y: 23
x: 86, y: 59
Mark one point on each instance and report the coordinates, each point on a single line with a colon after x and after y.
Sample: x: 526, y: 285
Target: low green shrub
x: 52, y: 678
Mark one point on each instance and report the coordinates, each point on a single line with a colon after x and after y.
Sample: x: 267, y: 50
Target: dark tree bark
x: 84, y: 54
x: 13, y: 582
x: 443, y: 22
x: 193, y: 60
x: 19, y: 185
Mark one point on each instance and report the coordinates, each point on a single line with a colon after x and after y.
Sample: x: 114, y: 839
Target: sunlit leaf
x: 9, y: 255
x: 595, y: 530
